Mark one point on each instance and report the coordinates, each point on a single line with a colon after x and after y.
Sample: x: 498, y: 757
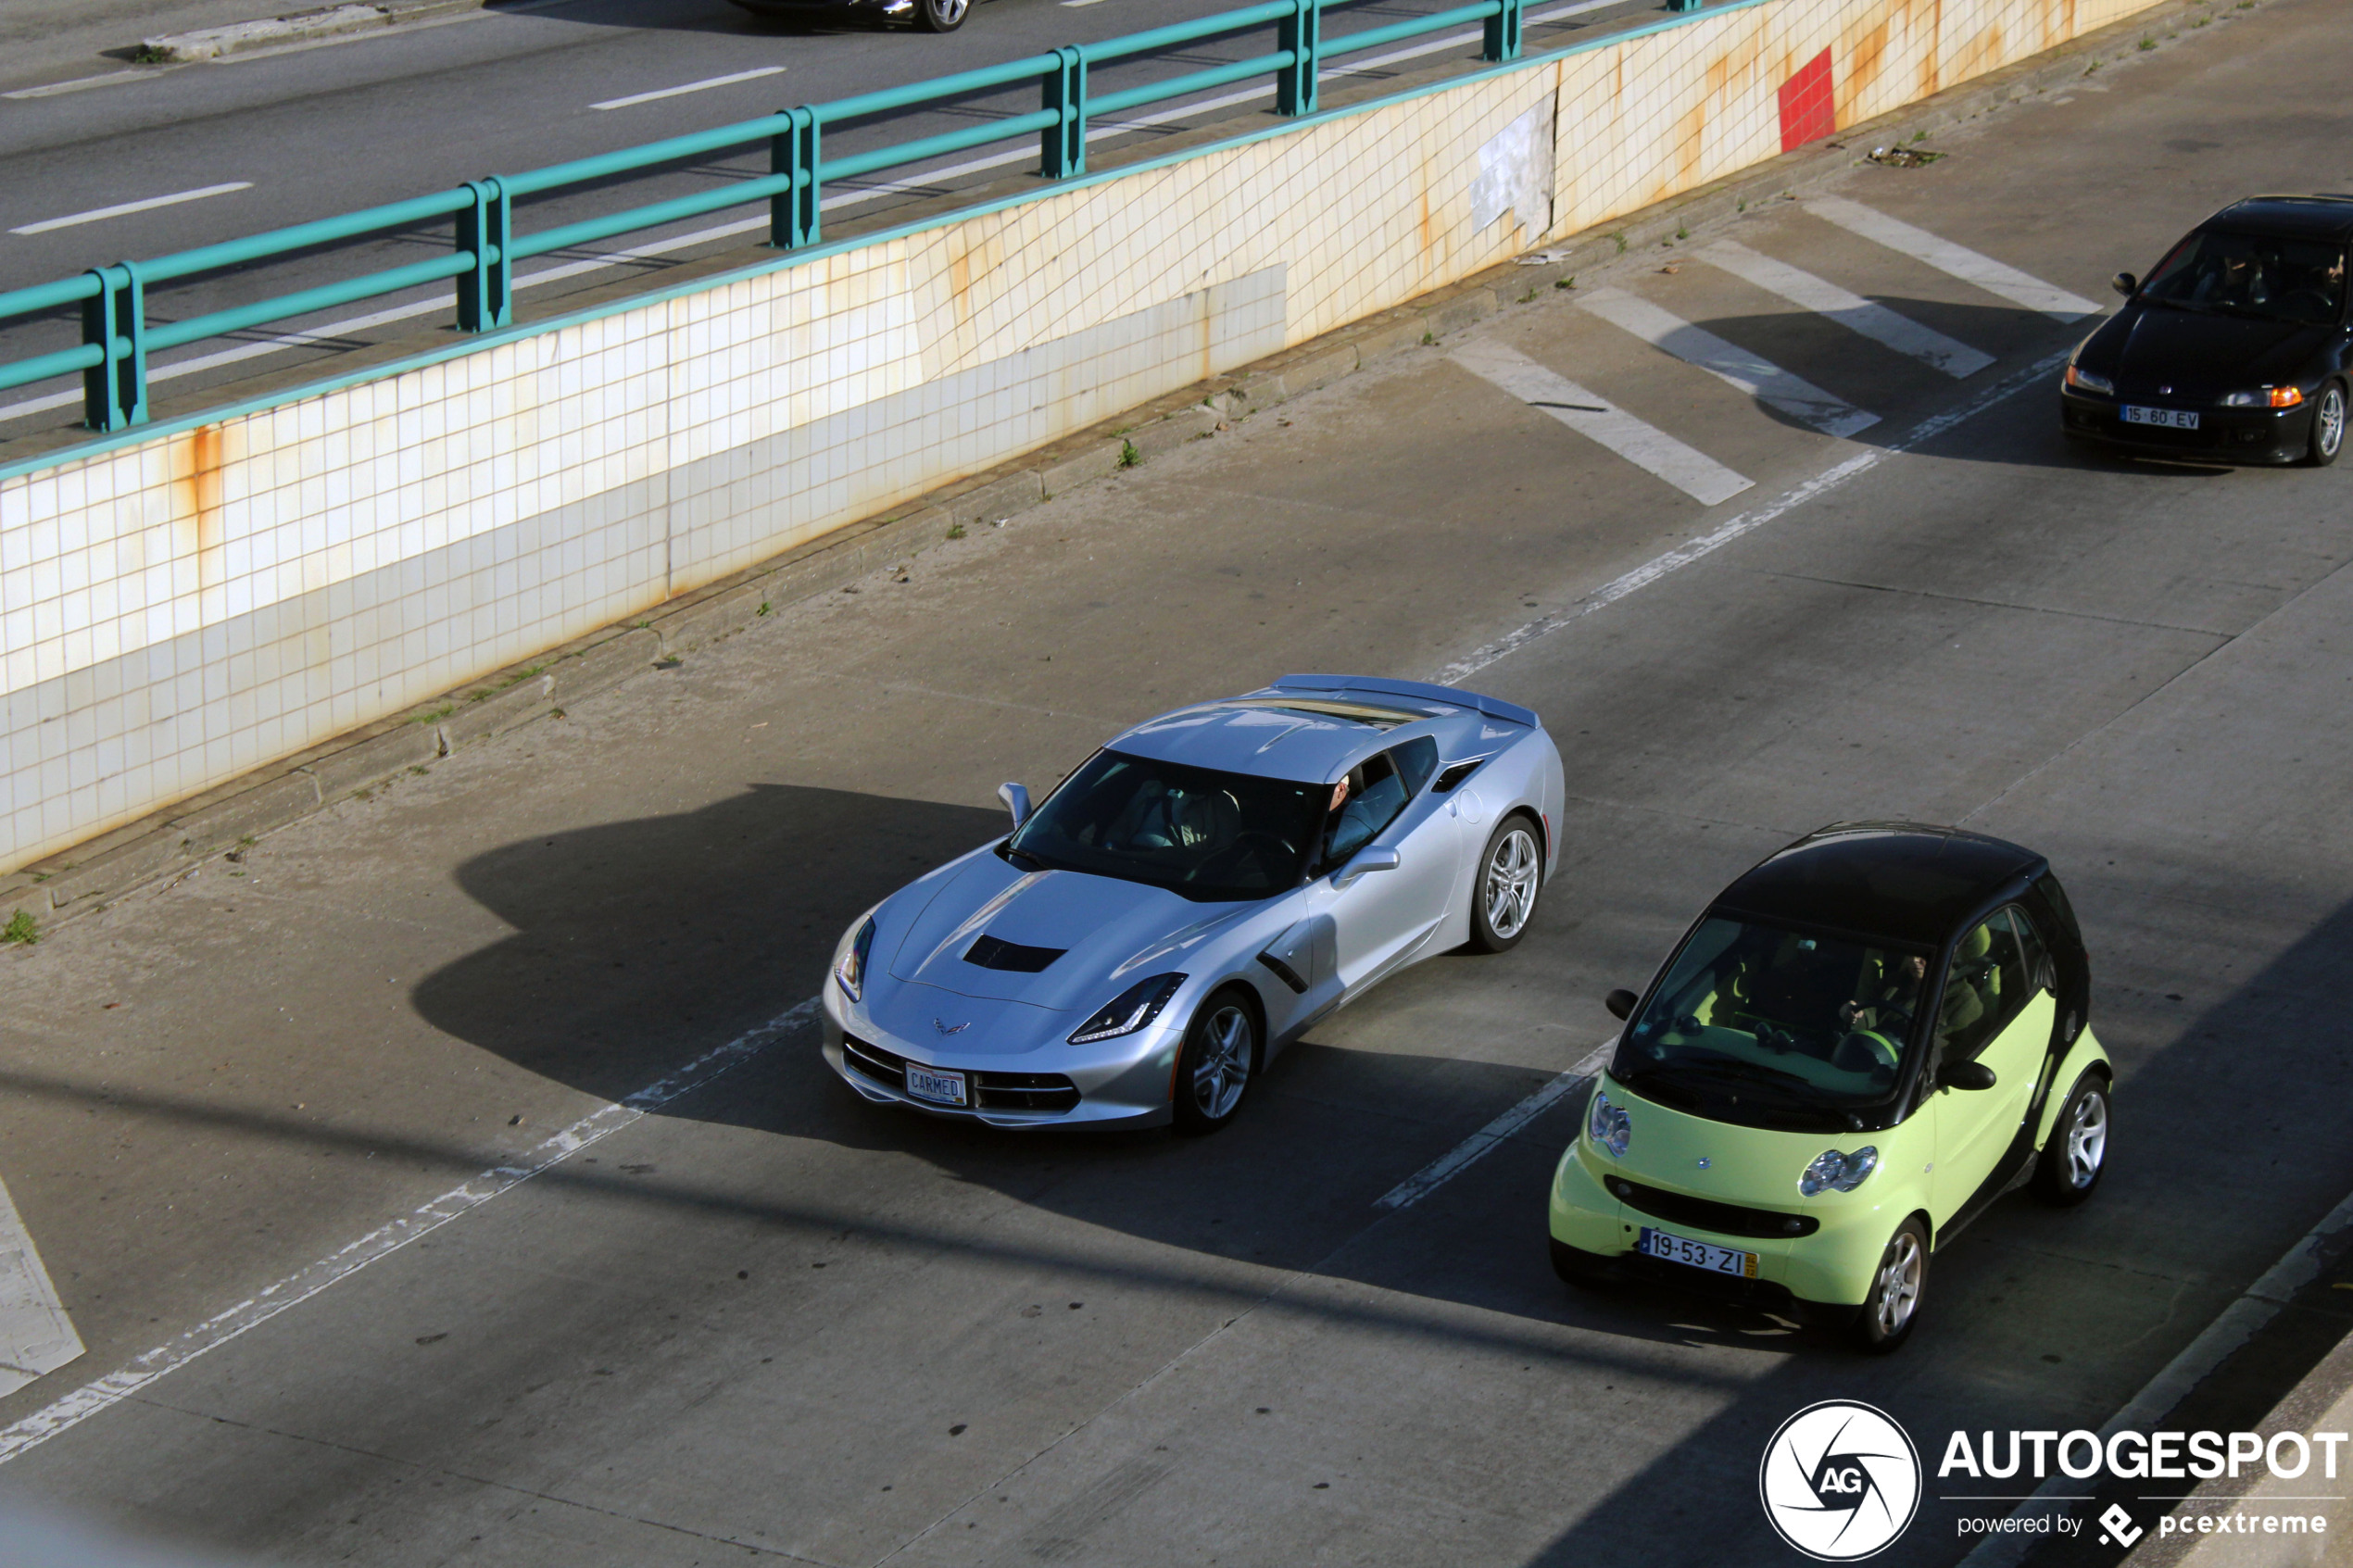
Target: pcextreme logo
x: 1840, y: 1480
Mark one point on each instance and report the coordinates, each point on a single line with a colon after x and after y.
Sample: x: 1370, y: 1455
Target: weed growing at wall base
x: 21, y: 928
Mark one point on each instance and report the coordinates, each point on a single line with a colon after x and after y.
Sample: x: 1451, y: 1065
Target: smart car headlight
x: 851, y: 973
x: 1130, y: 1011
x: 1607, y: 1126
x: 1834, y: 1170
x: 2086, y: 382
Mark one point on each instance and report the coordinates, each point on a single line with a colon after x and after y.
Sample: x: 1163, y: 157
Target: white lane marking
x: 1645, y: 445
x: 1074, y: 5
x: 1751, y: 373
x: 1850, y: 310
x: 1476, y: 1147
x: 35, y: 1335
x: 384, y: 1240
x: 2233, y: 1327
x: 1954, y: 260
x: 1709, y: 544
x: 110, y: 79
x: 708, y: 83
x: 122, y: 209
x: 327, y: 332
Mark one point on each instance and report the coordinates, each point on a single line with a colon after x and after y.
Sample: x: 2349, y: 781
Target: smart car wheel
x: 1895, y: 1302
x: 2077, y: 1151
x: 1511, y: 873
x: 1213, y: 1070
x: 2328, y: 426
x: 941, y: 16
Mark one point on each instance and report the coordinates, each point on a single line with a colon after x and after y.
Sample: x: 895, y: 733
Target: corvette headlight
x: 851, y: 973
x: 1130, y: 1011
x: 1607, y: 1126
x: 1835, y: 1172
x: 2086, y: 380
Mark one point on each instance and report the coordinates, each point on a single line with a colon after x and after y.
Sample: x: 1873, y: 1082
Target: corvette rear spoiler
x: 1373, y: 685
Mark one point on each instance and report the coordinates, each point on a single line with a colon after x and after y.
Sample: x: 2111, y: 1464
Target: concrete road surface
x: 747, y: 1316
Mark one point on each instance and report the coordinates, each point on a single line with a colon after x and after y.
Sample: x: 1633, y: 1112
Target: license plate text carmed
x: 1696, y: 1254
x: 943, y: 1088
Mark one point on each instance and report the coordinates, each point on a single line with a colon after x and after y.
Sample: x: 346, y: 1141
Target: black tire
x: 941, y: 16
x: 2328, y: 426
x: 1586, y: 1270
x: 2076, y: 1156
x: 1898, y: 1285
x: 1217, y: 1064
x: 1515, y: 854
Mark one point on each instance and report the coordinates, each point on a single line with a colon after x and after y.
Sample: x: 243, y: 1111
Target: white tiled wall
x: 175, y: 612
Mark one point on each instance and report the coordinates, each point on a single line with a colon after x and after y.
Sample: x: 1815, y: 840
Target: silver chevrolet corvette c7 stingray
x: 1192, y: 897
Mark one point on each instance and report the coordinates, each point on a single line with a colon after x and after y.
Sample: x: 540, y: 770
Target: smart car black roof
x: 1909, y: 881
x: 2309, y: 217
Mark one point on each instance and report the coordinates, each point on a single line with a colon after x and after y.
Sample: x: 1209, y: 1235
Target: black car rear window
x: 2260, y: 275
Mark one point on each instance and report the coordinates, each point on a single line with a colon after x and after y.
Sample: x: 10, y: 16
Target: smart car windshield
x: 2258, y: 275
x: 1768, y: 1026
x: 1211, y: 836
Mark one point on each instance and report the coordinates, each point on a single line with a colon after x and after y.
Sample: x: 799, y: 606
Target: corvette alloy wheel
x: 1510, y: 876
x: 1213, y: 1070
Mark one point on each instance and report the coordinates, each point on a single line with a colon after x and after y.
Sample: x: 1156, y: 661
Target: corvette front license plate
x: 2170, y: 418
x: 947, y: 1088
x: 1696, y: 1254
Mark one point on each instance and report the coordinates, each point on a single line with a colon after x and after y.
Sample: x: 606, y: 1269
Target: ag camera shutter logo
x: 1840, y: 1481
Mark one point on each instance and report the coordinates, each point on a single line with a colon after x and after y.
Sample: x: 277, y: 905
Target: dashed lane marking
x: 1751, y: 373
x: 704, y: 85
x: 35, y: 1335
x: 1476, y: 1147
x: 123, y: 209
x: 1954, y: 260
x: 1645, y: 445
x: 1850, y: 310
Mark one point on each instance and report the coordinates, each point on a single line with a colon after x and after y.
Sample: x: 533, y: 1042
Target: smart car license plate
x: 1696, y: 1254
x: 945, y: 1088
x: 2169, y: 419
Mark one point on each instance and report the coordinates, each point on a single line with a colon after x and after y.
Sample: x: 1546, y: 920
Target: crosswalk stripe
x: 1959, y: 261
x: 1753, y: 374
x: 1645, y: 445
x: 35, y: 1335
x: 1851, y: 311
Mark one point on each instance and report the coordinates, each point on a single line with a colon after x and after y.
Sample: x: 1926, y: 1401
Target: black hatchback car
x: 2236, y: 349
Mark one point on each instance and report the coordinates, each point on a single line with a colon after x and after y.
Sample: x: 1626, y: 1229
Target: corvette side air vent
x: 990, y: 953
x: 1454, y: 774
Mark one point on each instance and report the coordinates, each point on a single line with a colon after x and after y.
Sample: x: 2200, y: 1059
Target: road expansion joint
x: 1995, y: 604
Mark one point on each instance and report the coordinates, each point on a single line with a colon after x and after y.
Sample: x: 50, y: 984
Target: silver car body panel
x: 1331, y: 939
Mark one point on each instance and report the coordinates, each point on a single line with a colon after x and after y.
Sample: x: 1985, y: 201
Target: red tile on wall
x: 1808, y: 110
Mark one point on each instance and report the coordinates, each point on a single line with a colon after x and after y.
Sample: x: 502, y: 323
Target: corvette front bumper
x: 1121, y: 1082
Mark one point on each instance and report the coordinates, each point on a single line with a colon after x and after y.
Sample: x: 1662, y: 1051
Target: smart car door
x: 1381, y: 918
x: 1996, y: 1012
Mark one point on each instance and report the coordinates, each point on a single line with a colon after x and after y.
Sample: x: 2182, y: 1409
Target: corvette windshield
x: 2257, y: 275
x: 1773, y: 1027
x: 1212, y: 836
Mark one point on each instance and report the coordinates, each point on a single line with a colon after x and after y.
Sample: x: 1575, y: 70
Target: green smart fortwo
x: 1861, y: 1045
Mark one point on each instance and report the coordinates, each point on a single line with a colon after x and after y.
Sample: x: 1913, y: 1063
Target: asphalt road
x: 768, y: 1320
x: 317, y: 131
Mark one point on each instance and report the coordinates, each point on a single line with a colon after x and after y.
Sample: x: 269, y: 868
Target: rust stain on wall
x: 1866, y: 56
x: 199, y: 522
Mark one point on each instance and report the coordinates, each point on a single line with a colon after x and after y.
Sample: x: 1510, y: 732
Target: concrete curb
x: 298, y: 26
x: 169, y: 843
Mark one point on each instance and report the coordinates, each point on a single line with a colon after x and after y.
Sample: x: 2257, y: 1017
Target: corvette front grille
x: 1706, y: 1213
x: 991, y: 1091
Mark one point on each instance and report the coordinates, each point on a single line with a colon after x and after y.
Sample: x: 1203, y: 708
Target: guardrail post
x: 1063, y: 145
x: 1301, y: 33
x: 793, y: 219
x: 487, y: 229
x: 1503, y: 29
x: 114, y: 391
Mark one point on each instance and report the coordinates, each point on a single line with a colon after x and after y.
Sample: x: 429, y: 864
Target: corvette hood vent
x: 990, y: 953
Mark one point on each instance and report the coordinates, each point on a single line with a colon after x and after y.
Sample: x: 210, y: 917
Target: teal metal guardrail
x: 116, y: 338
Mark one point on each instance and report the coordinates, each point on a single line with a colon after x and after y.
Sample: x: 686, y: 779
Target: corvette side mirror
x: 1620, y: 1003
x: 1016, y: 800
x: 2125, y: 285
x: 1367, y: 860
x: 1965, y: 1076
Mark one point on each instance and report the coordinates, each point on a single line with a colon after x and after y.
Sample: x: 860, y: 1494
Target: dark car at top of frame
x: 2236, y: 349
x: 927, y: 15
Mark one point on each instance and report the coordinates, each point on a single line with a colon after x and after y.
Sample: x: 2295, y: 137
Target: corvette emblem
x: 950, y: 1028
